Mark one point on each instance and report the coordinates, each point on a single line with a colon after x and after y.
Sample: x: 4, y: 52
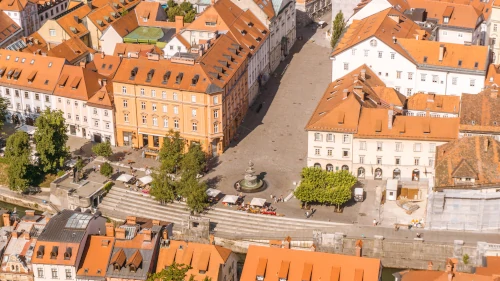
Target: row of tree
x: 175, y: 272
x: 175, y: 161
x: 322, y: 187
x: 185, y: 9
x: 50, y: 139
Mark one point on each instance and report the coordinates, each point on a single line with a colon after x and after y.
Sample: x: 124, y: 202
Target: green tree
x: 175, y: 272
x: 194, y: 161
x: 163, y: 188
x: 3, y: 111
x: 186, y: 6
x: 194, y: 191
x: 18, y: 152
x: 190, y: 16
x: 185, y: 9
x: 174, y: 11
x: 106, y: 169
x: 124, y: 12
x: 103, y: 149
x: 337, y: 28
x: 50, y: 139
x: 171, y: 152
x: 79, y: 164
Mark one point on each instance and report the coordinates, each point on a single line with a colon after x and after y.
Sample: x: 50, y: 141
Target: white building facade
x: 330, y: 151
x: 283, y: 32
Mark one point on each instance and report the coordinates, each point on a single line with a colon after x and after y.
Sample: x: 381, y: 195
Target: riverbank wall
x: 26, y: 202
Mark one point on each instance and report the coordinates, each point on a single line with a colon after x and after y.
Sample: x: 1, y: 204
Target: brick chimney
x: 494, y: 93
x: 344, y: 93
x: 156, y: 222
x: 6, y: 219
x: 441, y: 52
x: 110, y: 230
x: 359, y: 247
x: 120, y: 233
x: 131, y: 220
x: 147, y: 234
x: 82, y: 64
x: 363, y: 74
x: 30, y: 213
x: 179, y: 23
x: 165, y: 234
x: 14, y: 234
x: 102, y: 55
x: 429, y: 265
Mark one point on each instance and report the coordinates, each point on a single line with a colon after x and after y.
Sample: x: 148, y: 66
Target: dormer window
x: 53, y: 253
x: 446, y: 20
x: 132, y: 268
x: 117, y: 267
x: 210, y: 23
x: 67, y: 254
x: 40, y: 252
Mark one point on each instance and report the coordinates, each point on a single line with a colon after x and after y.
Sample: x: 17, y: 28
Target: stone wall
x: 27, y: 203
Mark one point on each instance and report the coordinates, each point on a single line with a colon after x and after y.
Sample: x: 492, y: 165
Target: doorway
x: 72, y: 129
x: 145, y: 140
x: 97, y: 138
x: 84, y: 133
x: 214, y: 148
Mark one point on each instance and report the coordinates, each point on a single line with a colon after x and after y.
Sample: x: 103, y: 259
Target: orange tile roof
x: 481, y: 112
x: 434, y: 103
x: 374, y: 123
x: 35, y: 44
x: 13, y: 5
x: 72, y: 50
x: 492, y: 267
x: 460, y: 14
x: 37, y: 73
x: 384, y: 25
x: 267, y: 262
x: 154, y: 13
x: 70, y: 24
x: 47, y: 248
x: 182, y: 40
x: 493, y: 75
x: 266, y: 7
x: 122, y: 49
x: 117, y: 4
x: 96, y: 256
x: 77, y: 83
x: 103, y: 98
x: 8, y: 27
x: 126, y: 24
x: 203, y: 257
x: 455, y: 55
x: 102, y: 17
x: 105, y: 65
x: 339, y: 108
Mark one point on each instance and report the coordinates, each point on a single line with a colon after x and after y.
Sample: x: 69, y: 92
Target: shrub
x: 108, y: 186
x: 60, y: 173
x: 106, y: 169
x: 465, y: 259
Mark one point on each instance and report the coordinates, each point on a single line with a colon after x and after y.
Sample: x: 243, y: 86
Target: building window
x: 317, y: 137
x: 417, y: 147
x: 362, y: 145
x: 422, y: 77
x: 164, y: 108
x: 125, y: 117
x: 85, y: 119
x: 346, y: 139
x: 379, y: 160
x: 37, y: 96
x: 373, y: 43
x: 193, y: 98
x: 47, y: 98
x: 77, y: 117
x: 153, y: 93
x: 153, y: 106
x: 495, y: 27
x: 379, y: 54
x: 144, y: 120
x: 69, y: 115
x: 165, y: 123
x: 216, y: 114
x: 54, y: 273
x: 68, y: 273
x: 176, y: 124
x: 431, y: 162
x: 176, y: 110
x: 393, y: 56
x: 95, y: 111
x: 410, y: 75
x: 398, y: 161
x: 40, y: 272
x: 193, y: 112
x: 454, y: 80
x: 379, y: 146
x: 366, y: 53
x: 105, y: 113
x: 164, y: 95
x: 361, y: 159
x: 124, y: 90
x: 434, y: 78
x: 174, y: 96
x: 195, y: 126
x: 143, y: 92
x: 26, y: 95
x: 107, y: 125
x: 125, y: 103
x: 399, y: 146
x: 345, y: 153
x: 346, y: 66
x: 317, y: 151
x: 432, y: 147
x: 460, y: 35
x: 398, y: 74
x: 155, y: 121
x: 216, y: 100
x: 409, y: 91
x: 330, y: 138
x: 472, y: 82
x: 96, y: 123
x: 329, y: 152
x: 353, y: 51
x: 143, y: 105
x: 417, y: 161
x: 52, y: 32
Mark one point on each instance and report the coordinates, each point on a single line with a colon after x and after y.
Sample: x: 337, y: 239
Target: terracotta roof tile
x: 96, y: 256
x: 13, y: 5
x: 267, y: 262
x: 118, y: 258
x: 73, y: 50
x: 103, y: 98
x: 35, y: 44
x: 493, y: 76
x: 123, y: 49
x: 460, y: 14
x: 154, y: 14
x: 105, y: 65
x: 481, y: 112
x: 102, y: 17
x: 126, y: 24
x: 434, y: 103
x: 77, y: 83
x: 267, y: 7
x: 117, y: 4
x: 8, y: 27
x: 73, y: 22
x: 44, y: 249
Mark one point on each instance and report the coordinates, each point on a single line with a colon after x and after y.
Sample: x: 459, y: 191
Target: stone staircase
x: 120, y: 202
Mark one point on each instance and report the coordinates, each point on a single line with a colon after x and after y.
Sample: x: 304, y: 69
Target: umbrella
x: 230, y: 199
x: 259, y: 202
x: 146, y: 179
x: 30, y: 130
x: 212, y: 192
x: 125, y: 178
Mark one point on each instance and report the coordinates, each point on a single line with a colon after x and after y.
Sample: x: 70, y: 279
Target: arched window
x: 396, y: 174
x: 415, y: 175
x: 345, y: 168
x: 329, y: 167
x: 378, y: 174
x: 361, y: 172
x: 373, y: 43
x: 317, y: 165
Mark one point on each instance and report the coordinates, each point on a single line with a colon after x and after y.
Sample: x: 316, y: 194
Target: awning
x: 230, y: 199
x: 146, y: 179
x: 125, y: 178
x: 30, y: 130
x: 213, y: 192
x: 259, y: 202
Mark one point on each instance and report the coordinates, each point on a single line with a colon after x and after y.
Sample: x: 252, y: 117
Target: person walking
x: 374, y: 222
x: 307, y: 214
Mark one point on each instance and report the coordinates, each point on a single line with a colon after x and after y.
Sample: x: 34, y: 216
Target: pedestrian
x: 281, y: 198
x: 374, y: 222
x: 275, y: 200
x: 307, y: 214
x: 272, y: 196
x: 93, y: 167
x: 99, y: 167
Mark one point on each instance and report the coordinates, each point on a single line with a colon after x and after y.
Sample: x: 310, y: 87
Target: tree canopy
x: 163, y: 188
x: 320, y: 186
x: 3, y: 111
x: 106, y: 169
x: 185, y: 9
x: 103, y: 149
x: 337, y: 28
x: 175, y: 272
x: 194, y: 161
x: 18, y: 151
x: 50, y: 138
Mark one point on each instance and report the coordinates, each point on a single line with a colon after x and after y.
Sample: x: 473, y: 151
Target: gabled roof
x: 385, y: 26
x: 104, y: 16
x: 460, y: 14
x: 72, y: 50
x: 468, y: 156
x: 77, y: 82
x: 117, y: 4
x: 142, y: 50
x: 34, y: 44
x: 14, y: 5
x: 267, y: 7
x: 118, y: 258
x: 493, y: 76
x: 481, y: 112
x: 96, y: 255
x: 433, y: 103
x: 73, y: 22
x: 8, y: 27
x: 103, y: 98
x: 105, y: 65
x: 154, y: 14
x: 126, y: 24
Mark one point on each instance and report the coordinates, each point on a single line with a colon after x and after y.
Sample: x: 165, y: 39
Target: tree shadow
x: 213, y: 163
x: 212, y: 182
x: 118, y: 156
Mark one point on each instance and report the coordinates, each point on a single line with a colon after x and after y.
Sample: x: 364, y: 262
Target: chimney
x: 344, y: 93
x: 82, y: 64
x: 359, y: 246
x: 14, y: 234
x: 77, y: 19
x: 212, y: 2
x: 131, y: 220
x: 287, y: 243
x: 363, y: 74
x: 26, y: 235
x: 179, y: 23
x: 211, y: 239
x: 147, y: 234
x: 6, y: 219
x: 450, y: 276
x: 429, y: 265
x: 104, y: 81
x: 89, y: 2
x: 486, y: 144
x: 394, y: 40
x: 430, y: 97
x: 156, y: 222
x: 441, y: 52
x: 390, y: 114
x: 102, y: 55
x: 120, y: 233
x: 165, y: 234
x: 110, y: 230
x: 493, y: 93
x: 416, y: 37
x: 30, y: 213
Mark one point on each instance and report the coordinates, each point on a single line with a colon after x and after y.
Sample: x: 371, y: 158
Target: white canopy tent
x: 232, y: 199
x: 146, y: 179
x: 213, y: 192
x: 30, y: 130
x: 259, y: 202
x: 125, y: 178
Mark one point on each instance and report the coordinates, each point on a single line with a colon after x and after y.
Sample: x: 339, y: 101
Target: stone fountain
x: 250, y: 183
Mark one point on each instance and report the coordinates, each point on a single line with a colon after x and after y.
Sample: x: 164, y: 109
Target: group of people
x: 277, y: 199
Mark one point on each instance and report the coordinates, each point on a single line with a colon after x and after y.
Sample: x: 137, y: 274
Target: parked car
x: 359, y: 194
x: 32, y: 190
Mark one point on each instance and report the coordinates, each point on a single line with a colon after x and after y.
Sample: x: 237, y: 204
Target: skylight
x: 78, y: 220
